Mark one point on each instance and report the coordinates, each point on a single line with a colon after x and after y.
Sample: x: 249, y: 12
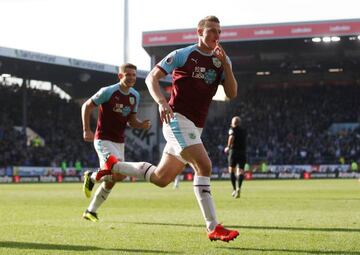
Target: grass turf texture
x: 273, y: 217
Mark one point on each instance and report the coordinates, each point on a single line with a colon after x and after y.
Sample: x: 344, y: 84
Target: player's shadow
x: 253, y: 227
x: 287, y: 251
x: 66, y: 247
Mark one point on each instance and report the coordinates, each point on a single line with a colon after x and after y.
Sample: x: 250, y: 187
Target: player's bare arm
x: 86, y: 110
x: 229, y: 143
x: 230, y: 84
x: 152, y: 82
x: 134, y: 122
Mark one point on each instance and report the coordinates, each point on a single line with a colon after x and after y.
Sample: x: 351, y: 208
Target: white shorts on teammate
x: 104, y: 148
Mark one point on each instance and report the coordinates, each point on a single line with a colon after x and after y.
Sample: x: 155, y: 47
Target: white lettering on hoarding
x: 189, y: 36
x: 29, y: 179
x: 339, y: 28
x: 47, y: 178
x: 5, y: 179
x: 264, y: 32
x: 35, y: 56
x: 289, y: 176
x: 229, y: 34
x: 71, y: 179
x: 86, y: 64
x: 301, y: 30
x: 263, y: 176
x: 157, y: 39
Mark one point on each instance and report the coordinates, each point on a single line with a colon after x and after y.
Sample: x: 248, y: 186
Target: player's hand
x: 146, y: 124
x: 220, y: 53
x: 166, y: 113
x: 226, y: 150
x: 88, y: 136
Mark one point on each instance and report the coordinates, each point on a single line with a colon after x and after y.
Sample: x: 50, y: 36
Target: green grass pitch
x: 273, y: 217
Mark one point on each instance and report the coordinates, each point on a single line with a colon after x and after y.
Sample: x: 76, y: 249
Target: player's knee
x: 204, y: 168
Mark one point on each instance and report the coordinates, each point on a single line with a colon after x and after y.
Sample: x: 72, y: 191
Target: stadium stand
x: 293, y: 125
x: 54, y: 119
x: 285, y: 126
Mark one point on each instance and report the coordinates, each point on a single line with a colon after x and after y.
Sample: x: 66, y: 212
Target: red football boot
x: 111, y: 160
x: 223, y: 234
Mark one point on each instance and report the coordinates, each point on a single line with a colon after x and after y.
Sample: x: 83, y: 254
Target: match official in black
x: 236, y: 149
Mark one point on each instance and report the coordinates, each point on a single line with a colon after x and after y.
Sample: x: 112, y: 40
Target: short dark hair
x: 210, y: 18
x: 127, y: 65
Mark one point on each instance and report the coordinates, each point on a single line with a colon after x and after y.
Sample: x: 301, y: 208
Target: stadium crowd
x: 54, y: 119
x: 285, y: 126
x: 292, y: 125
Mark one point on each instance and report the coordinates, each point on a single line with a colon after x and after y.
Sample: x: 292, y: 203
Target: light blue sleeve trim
x: 175, y: 128
x: 137, y: 96
x: 176, y: 58
x: 104, y: 94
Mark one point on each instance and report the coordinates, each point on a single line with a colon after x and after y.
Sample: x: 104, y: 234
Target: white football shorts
x: 105, y: 147
x: 179, y: 134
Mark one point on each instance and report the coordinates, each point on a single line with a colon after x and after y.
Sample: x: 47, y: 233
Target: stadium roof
x: 78, y: 78
x: 267, y: 53
x: 276, y: 53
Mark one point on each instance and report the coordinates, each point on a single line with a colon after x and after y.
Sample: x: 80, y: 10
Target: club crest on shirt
x: 126, y: 111
x: 132, y: 100
x: 210, y: 76
x: 216, y: 62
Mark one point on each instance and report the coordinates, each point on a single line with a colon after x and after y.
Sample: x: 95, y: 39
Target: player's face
x: 211, y: 34
x: 128, y: 78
